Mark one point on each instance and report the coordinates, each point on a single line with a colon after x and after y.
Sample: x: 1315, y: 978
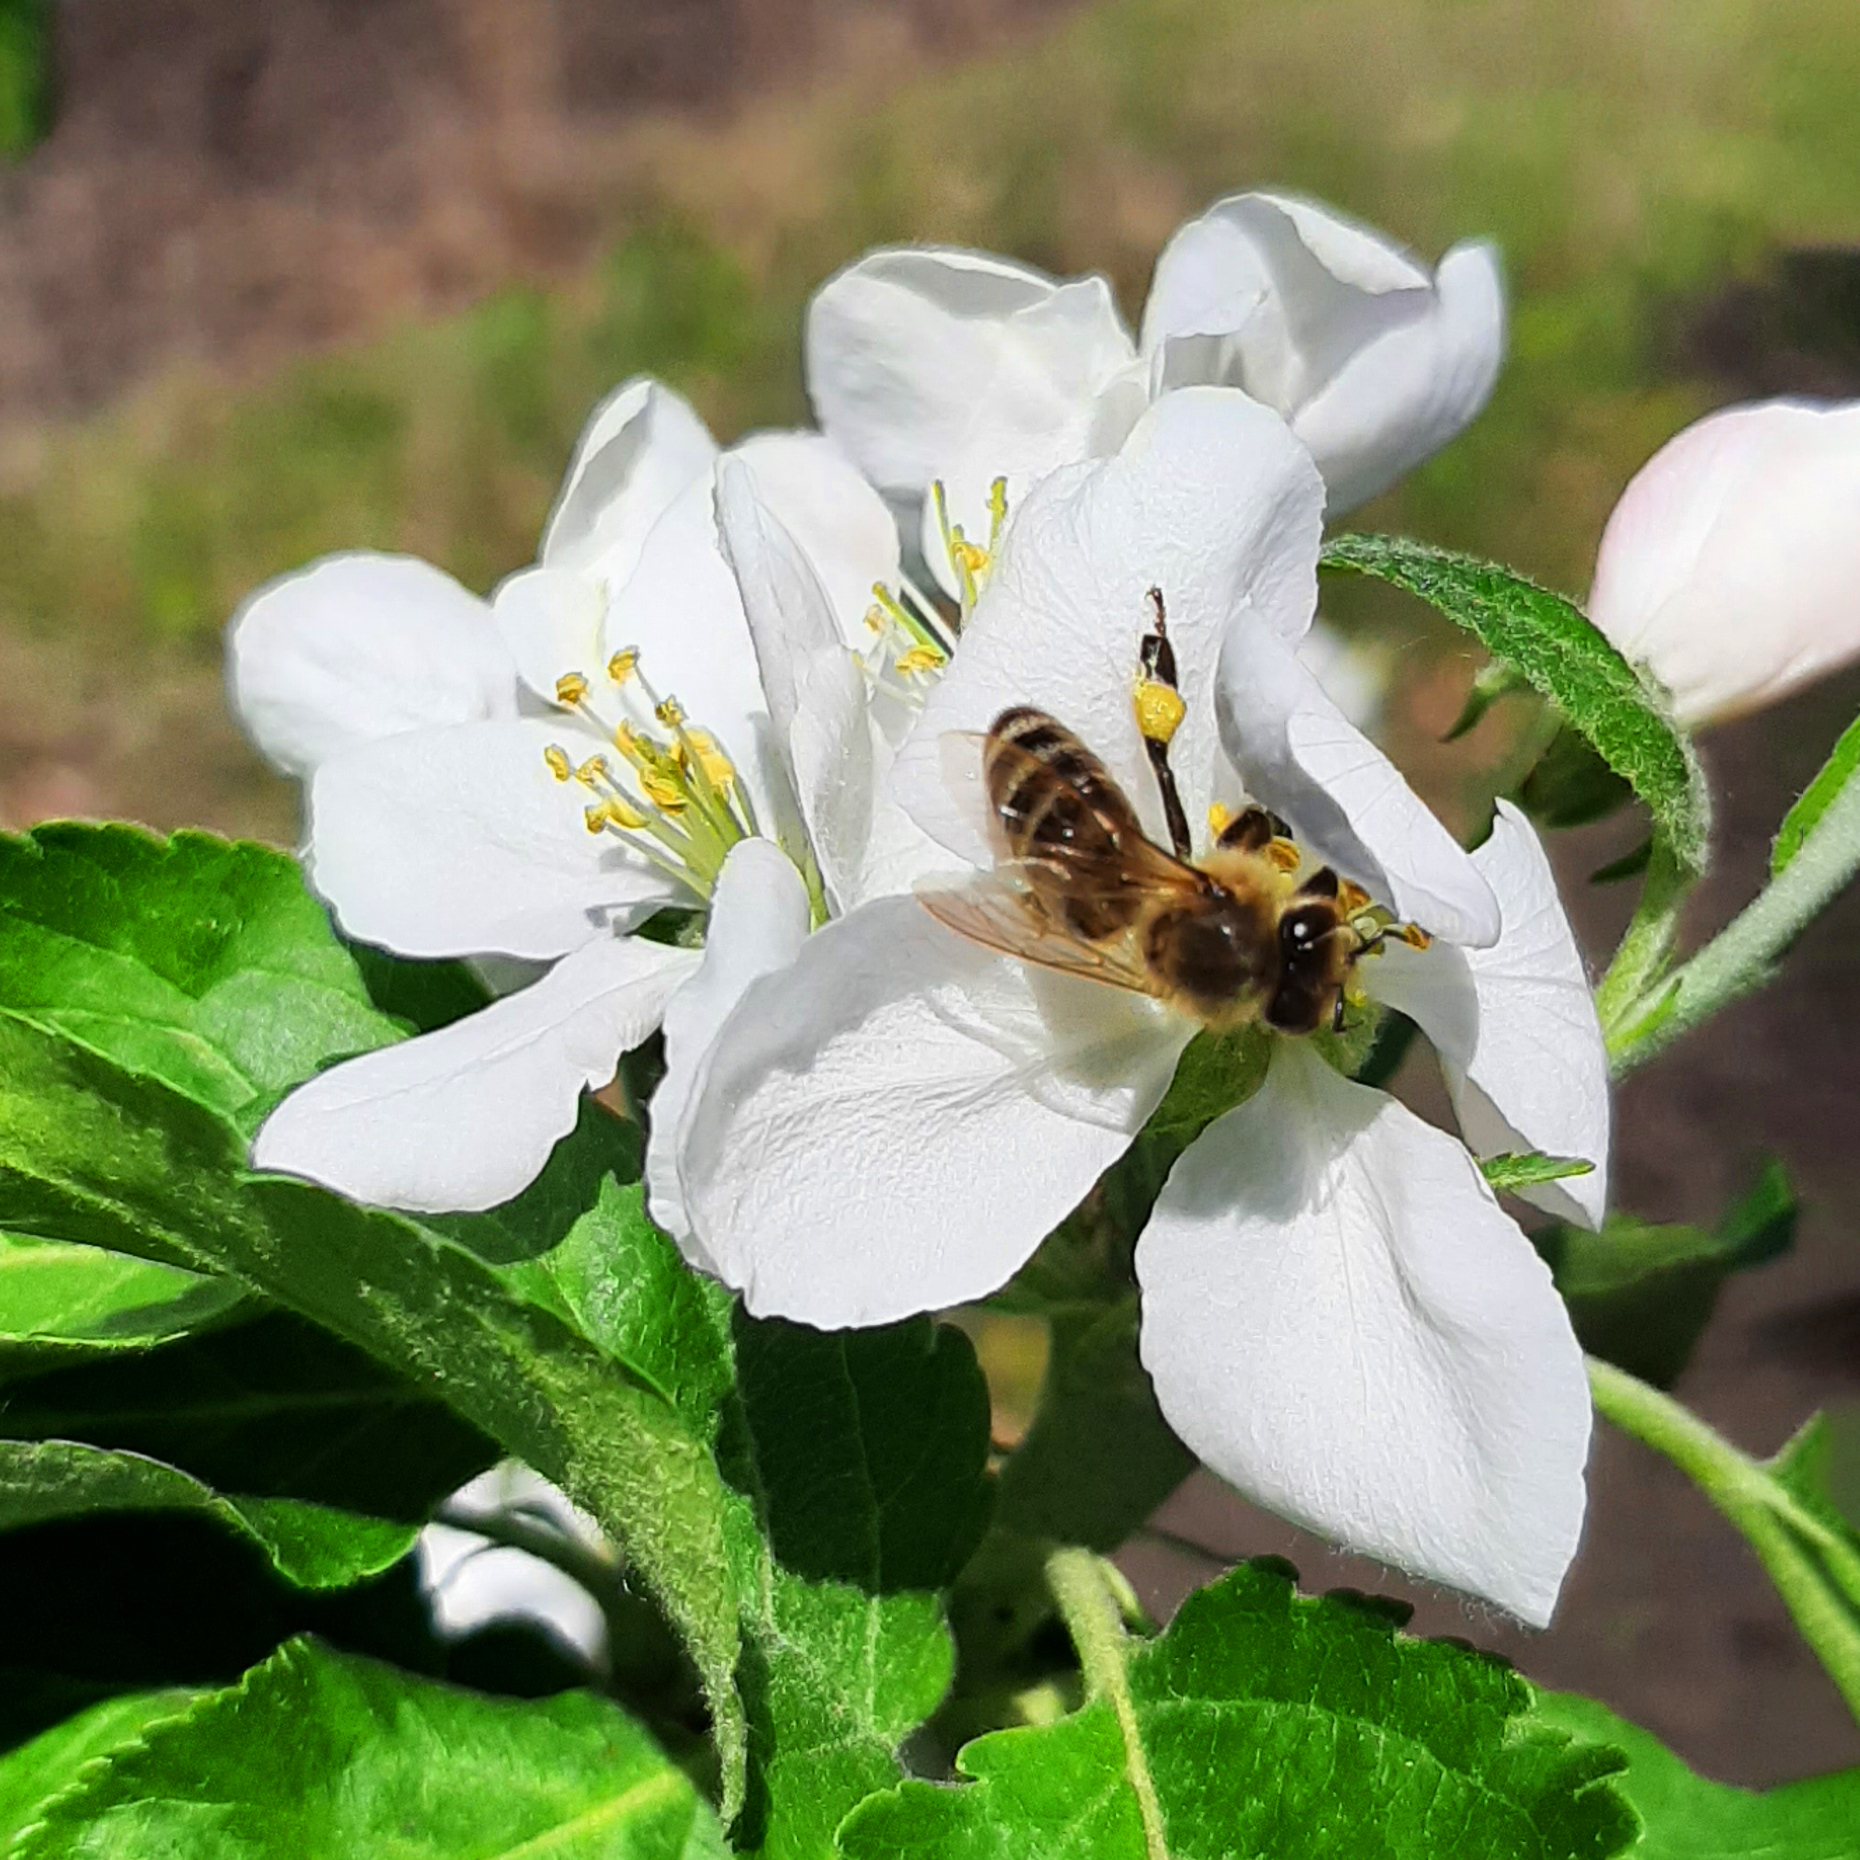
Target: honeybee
x: 1084, y: 890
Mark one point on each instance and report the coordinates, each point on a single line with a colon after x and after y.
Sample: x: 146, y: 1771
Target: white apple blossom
x: 533, y: 777
x: 942, y: 367
x: 1730, y: 569
x: 889, y: 1117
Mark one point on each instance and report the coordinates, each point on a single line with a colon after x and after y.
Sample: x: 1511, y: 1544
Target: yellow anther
x: 1284, y: 854
x: 640, y: 750
x: 710, y: 757
x: 876, y: 619
x: 997, y: 510
x: 965, y: 554
x: 570, y: 689
x: 1220, y: 818
x: 664, y: 791
x: 1160, y: 710
x: 919, y: 659
x: 1351, y: 898
x: 1415, y: 937
x: 670, y: 712
x: 559, y: 765
x: 592, y: 771
x: 620, y: 666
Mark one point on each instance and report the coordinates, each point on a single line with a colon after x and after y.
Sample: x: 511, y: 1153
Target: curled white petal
x: 1730, y: 568
x: 465, y: 1118
x: 461, y: 842
x: 1375, y: 362
x: 640, y: 448
x: 1515, y: 1025
x: 893, y: 1122
x: 357, y: 647
x: 759, y: 918
x: 1211, y: 502
x: 550, y: 622
x: 1298, y: 753
x: 1342, y: 1322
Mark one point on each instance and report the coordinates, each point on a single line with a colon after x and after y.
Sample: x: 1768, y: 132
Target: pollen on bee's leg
x: 1160, y: 710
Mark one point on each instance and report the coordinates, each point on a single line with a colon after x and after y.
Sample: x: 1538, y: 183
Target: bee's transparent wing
x: 1003, y: 910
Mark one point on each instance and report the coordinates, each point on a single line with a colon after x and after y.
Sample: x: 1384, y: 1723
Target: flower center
x: 971, y: 562
x: 668, y: 791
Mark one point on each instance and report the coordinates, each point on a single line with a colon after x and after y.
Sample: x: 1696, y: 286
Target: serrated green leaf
x: 1840, y: 768
x: 311, y: 1545
x: 277, y: 1408
x: 1554, y: 646
x: 31, y: 1775
x: 198, y: 961
x: 61, y: 1302
x: 321, y: 1753
x: 863, y: 1454
x: 1512, y: 1171
x: 89, y: 1152
x: 1641, y: 1294
x: 1264, y: 1722
x: 1687, y: 1817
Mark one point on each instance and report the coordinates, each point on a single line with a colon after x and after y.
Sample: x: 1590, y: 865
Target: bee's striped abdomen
x: 1056, y: 801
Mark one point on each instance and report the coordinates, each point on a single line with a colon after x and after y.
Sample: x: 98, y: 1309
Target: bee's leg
x: 1336, y: 1014
x: 1159, y: 714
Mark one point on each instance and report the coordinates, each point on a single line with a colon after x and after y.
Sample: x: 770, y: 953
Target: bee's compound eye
x: 1303, y: 929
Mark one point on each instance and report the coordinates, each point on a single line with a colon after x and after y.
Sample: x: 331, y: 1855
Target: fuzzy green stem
x: 1743, y: 956
x: 1094, y: 1618
x: 1768, y: 1515
x: 1648, y: 943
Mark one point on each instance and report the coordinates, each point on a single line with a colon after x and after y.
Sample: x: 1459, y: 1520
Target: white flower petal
x: 640, y: 448
x: 465, y: 1118
x: 759, y: 918
x: 470, y: 1582
x: 1298, y: 753
x: 915, y: 353
x: 550, y: 621
x: 1375, y: 363
x: 1212, y: 502
x: 461, y: 842
x: 894, y: 1122
x: 1731, y: 566
x: 1342, y: 1322
x: 1515, y: 1025
x: 357, y: 647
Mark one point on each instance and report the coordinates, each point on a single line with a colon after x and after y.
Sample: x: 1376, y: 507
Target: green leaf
x: 311, y: 1545
x: 91, y: 1153
x: 864, y: 1454
x: 277, y: 1409
x: 1511, y: 1171
x: 1640, y: 1295
x: 199, y: 961
x: 61, y: 1302
x: 320, y: 1753
x: 1820, y: 794
x: 28, y: 92
x: 1264, y: 1722
x: 1570, y: 785
x: 1549, y: 641
x: 1687, y: 1817
x: 37, y: 1771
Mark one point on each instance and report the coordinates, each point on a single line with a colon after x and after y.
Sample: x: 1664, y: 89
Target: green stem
x: 1641, y: 960
x: 1750, y: 1496
x: 1743, y: 956
x: 1094, y: 1617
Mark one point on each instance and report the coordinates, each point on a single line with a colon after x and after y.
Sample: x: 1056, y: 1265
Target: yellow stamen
x: 1219, y: 819
x: 670, y: 713
x: 711, y: 758
x: 1160, y: 710
x: 875, y: 619
x: 1351, y: 898
x: 620, y: 666
x: 559, y: 765
x: 1415, y: 937
x: 997, y: 511
x: 570, y: 689
x: 967, y: 555
x: 593, y: 771
x: 919, y: 659
x: 663, y: 791
x: 1284, y: 854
